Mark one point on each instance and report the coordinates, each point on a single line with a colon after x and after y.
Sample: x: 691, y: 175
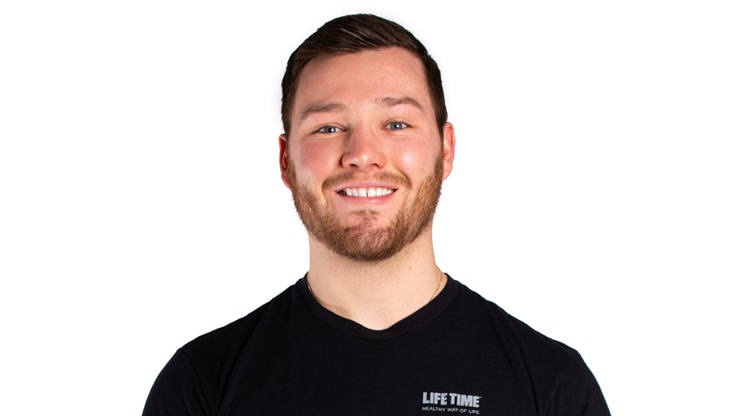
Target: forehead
x: 358, y: 78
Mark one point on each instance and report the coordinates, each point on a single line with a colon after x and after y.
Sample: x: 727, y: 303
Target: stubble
x: 368, y: 241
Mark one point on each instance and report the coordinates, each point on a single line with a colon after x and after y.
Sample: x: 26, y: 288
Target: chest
x: 420, y: 374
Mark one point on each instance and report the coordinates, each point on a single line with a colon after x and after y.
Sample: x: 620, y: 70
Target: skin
x: 366, y: 120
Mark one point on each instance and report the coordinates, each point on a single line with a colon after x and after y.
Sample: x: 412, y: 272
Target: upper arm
x: 177, y: 390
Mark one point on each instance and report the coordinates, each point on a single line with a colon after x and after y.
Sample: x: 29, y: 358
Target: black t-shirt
x: 459, y: 354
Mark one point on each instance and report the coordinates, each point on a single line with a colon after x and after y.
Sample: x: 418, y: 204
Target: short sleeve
x: 577, y: 394
x: 177, y: 390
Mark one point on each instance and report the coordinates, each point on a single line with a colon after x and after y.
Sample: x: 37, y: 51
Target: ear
x: 448, y: 148
x: 284, y: 160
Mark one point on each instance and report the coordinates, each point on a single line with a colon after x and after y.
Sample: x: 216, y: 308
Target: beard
x: 367, y: 241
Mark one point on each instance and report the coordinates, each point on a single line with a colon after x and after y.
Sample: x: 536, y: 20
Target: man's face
x: 365, y: 161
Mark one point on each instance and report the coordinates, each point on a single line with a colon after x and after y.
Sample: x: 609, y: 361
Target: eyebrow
x: 387, y: 102
x: 394, y: 101
x: 323, y: 108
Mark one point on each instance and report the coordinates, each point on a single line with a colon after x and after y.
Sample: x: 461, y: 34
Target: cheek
x: 416, y: 156
x: 312, y: 163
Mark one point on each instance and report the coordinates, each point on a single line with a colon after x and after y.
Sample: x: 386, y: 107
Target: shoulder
x: 232, y: 338
x: 196, y: 376
x: 510, y: 329
x: 556, y: 372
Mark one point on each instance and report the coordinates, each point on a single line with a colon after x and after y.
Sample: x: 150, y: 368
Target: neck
x: 376, y: 294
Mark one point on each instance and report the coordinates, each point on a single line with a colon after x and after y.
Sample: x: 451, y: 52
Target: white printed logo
x: 450, y: 402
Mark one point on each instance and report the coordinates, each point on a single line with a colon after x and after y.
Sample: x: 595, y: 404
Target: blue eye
x: 396, y: 125
x: 328, y: 129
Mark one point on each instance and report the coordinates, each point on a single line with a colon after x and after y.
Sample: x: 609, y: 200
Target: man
x: 374, y: 328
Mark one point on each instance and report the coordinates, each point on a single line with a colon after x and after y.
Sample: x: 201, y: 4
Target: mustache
x: 344, y: 177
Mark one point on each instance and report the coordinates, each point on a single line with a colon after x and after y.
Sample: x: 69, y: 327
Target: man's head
x: 366, y: 155
x: 357, y: 33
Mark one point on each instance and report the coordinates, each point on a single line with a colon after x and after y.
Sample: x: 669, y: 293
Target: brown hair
x: 356, y: 33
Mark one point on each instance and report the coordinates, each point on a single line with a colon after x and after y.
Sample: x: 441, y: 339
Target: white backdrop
x: 595, y: 193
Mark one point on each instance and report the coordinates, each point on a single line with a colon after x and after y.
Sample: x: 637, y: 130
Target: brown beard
x: 366, y: 242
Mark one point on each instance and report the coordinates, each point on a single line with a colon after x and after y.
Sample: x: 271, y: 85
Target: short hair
x: 357, y: 33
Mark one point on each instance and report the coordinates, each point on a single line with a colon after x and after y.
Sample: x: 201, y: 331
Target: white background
x: 595, y: 193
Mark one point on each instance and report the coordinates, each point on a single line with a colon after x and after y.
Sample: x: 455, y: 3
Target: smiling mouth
x: 366, y: 192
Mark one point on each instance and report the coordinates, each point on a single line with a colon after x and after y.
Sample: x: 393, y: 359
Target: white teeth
x: 367, y: 192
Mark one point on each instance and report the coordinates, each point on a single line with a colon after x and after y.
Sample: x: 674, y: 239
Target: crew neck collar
x: 427, y: 312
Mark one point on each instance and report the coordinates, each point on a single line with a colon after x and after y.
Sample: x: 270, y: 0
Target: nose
x: 364, y: 151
